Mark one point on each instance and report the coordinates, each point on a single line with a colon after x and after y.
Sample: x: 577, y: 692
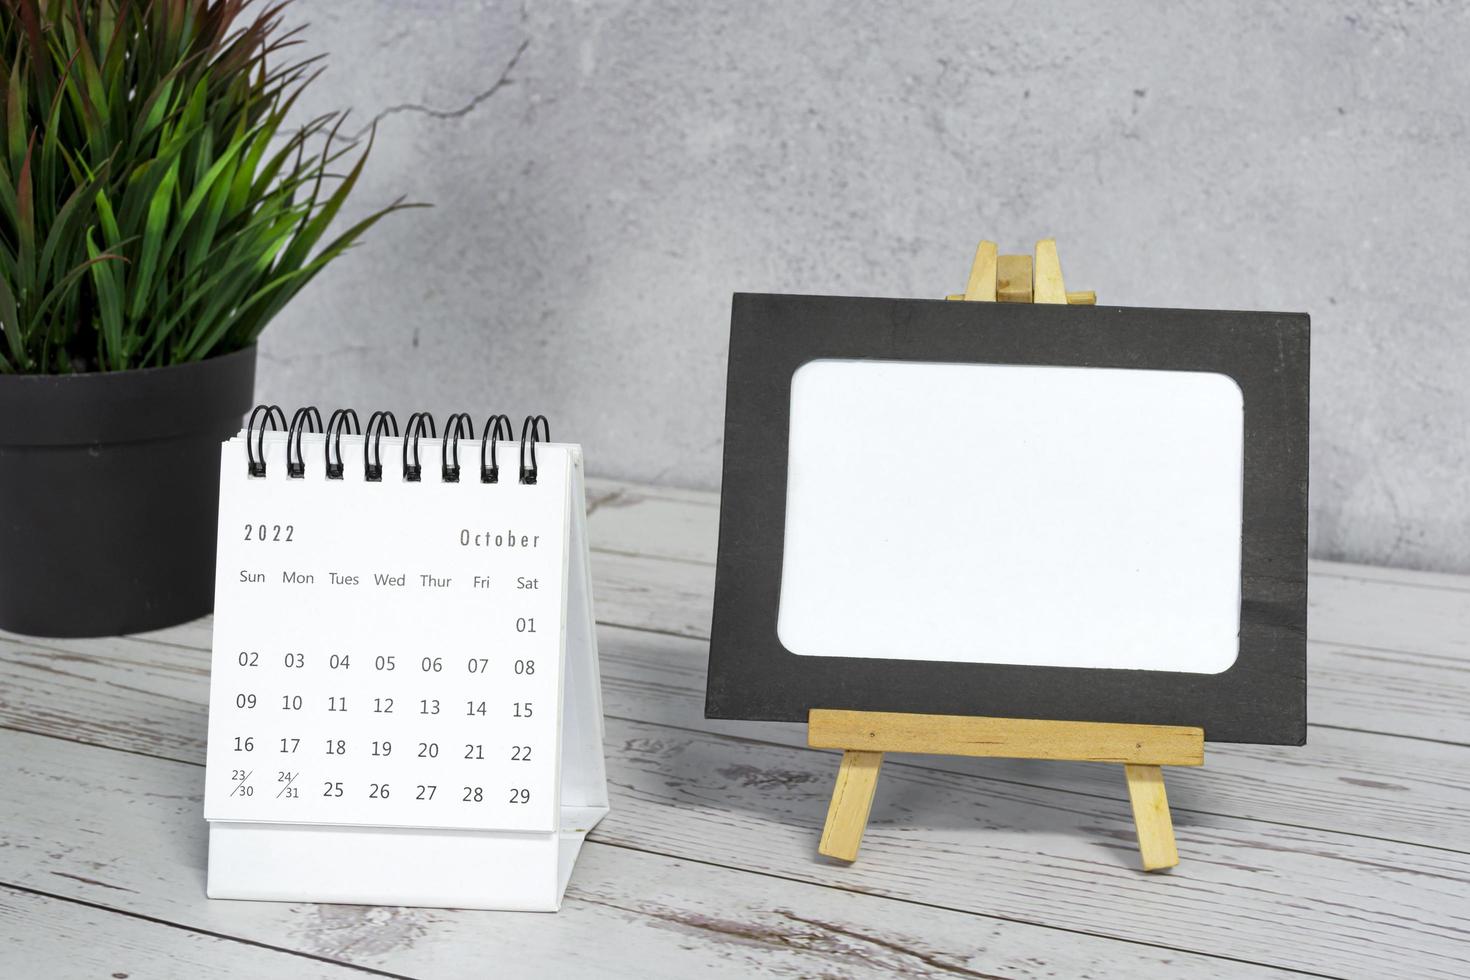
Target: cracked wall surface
x: 604, y: 175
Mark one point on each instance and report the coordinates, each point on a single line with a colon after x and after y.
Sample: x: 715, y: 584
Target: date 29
x: 270, y: 532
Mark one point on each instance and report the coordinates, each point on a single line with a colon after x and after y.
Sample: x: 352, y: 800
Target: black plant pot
x: 109, y: 492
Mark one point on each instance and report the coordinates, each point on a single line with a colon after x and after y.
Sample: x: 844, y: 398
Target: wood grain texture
x: 1012, y: 738
x: 982, y: 282
x: 1013, y: 279
x: 1049, y: 287
x: 852, y: 800
x: 43, y: 936
x: 122, y: 831
x: 865, y: 735
x: 1345, y: 857
x: 1151, y: 817
x: 1248, y: 885
x: 1429, y: 620
x: 1343, y: 780
x: 746, y: 804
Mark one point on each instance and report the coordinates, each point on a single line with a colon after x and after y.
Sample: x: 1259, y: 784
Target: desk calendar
x: 404, y: 702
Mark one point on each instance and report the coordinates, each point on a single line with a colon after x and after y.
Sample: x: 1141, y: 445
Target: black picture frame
x: 1261, y: 698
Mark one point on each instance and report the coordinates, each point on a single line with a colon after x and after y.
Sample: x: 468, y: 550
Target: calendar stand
x: 265, y: 843
x: 865, y: 735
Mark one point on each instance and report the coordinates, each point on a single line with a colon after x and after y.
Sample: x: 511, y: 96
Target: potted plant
x: 155, y: 213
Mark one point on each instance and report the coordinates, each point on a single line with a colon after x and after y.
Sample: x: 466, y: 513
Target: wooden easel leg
x: 852, y: 799
x: 1151, y: 817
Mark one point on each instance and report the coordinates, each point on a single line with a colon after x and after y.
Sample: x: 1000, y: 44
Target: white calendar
x: 404, y: 698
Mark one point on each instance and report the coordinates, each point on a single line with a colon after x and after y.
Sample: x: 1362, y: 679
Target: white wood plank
x: 42, y: 936
x: 124, y: 831
x: 1419, y: 695
x: 650, y: 521
x: 1345, y: 781
x: 198, y: 634
x: 757, y: 806
x: 1422, y: 696
x: 1378, y: 573
x: 653, y: 594
x: 143, y: 697
x: 601, y: 486
x: 1391, y: 616
x: 1317, y: 902
x: 150, y: 698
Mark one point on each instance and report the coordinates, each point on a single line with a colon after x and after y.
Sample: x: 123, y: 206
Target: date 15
x: 270, y: 532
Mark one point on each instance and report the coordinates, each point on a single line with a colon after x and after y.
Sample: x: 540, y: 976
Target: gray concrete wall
x: 605, y: 174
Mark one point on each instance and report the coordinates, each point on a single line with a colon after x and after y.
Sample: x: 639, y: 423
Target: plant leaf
x: 111, y: 351
x: 15, y: 120
x: 10, y: 324
x: 25, y: 226
x: 153, y: 232
x: 153, y: 207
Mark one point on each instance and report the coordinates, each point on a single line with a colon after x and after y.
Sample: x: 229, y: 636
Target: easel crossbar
x: 1010, y: 738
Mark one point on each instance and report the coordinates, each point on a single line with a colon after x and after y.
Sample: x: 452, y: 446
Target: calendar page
x: 388, y: 653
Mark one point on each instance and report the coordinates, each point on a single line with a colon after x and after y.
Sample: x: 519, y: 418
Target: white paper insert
x: 1010, y: 514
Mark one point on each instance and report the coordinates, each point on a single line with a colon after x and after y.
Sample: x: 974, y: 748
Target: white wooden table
x: 1349, y: 857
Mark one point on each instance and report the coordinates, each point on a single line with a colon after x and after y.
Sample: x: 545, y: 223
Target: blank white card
x: 1011, y: 514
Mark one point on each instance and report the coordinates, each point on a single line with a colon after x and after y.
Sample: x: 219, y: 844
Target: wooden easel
x: 865, y: 735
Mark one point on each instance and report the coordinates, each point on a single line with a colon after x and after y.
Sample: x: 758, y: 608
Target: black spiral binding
x: 336, y: 425
x: 344, y: 421
x: 412, y: 432
x: 497, y: 427
x: 372, y: 450
x: 530, y: 426
x: 305, y: 420
x: 274, y: 417
x: 457, y: 426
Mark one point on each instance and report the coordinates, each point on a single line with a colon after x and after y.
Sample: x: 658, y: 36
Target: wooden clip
x: 981, y: 287
x: 1019, y: 279
x: 1048, y: 282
